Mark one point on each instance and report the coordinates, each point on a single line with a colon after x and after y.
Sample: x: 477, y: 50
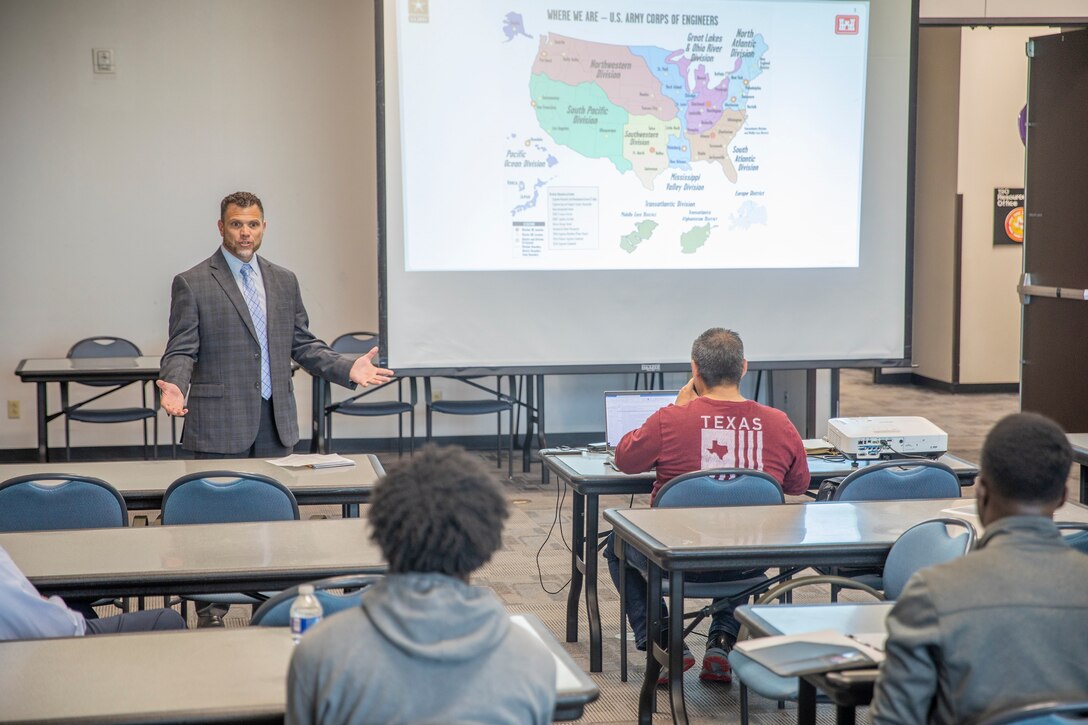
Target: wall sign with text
x: 1008, y: 216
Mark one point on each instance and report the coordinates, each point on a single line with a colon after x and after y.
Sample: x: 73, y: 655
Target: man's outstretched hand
x: 365, y: 373
x: 171, y: 399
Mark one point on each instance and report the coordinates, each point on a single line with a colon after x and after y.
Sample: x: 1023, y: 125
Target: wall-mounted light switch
x: 103, y: 60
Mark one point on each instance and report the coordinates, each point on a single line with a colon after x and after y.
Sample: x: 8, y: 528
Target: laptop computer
x: 627, y: 410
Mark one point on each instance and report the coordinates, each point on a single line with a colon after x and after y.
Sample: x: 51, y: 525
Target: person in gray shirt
x: 425, y: 645
x: 1003, y: 626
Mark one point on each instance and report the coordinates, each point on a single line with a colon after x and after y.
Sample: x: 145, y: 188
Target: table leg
x: 530, y: 419
x: 676, y: 647
x: 593, y: 612
x: 844, y: 715
x: 806, y: 703
x: 349, y: 510
x: 577, y: 550
x: 43, y: 429
x: 317, y: 424
x: 541, y: 438
x: 653, y: 636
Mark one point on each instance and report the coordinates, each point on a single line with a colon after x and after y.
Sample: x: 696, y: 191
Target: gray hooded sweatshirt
x: 422, y: 648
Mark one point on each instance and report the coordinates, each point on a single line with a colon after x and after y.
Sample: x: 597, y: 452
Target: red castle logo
x: 846, y: 25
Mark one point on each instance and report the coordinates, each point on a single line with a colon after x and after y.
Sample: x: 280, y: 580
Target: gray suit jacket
x: 1001, y: 627
x: 213, y: 352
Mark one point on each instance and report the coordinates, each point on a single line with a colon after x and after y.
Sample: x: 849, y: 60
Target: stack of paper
x: 313, y: 460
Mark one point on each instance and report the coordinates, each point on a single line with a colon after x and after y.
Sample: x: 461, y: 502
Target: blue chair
x: 216, y: 497
x: 276, y: 612
x: 707, y: 488
x: 916, y: 478
x: 359, y: 343
x: 52, y: 501
x: 97, y: 347
x: 1043, y: 713
x: 497, y: 405
x: 1076, y: 534
x: 922, y: 545
x: 903, y: 479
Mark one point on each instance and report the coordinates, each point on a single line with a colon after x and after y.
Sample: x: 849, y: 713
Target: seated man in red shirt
x: 711, y: 425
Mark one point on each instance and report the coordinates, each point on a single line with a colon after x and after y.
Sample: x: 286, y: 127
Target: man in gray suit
x: 236, y: 322
x: 1003, y: 626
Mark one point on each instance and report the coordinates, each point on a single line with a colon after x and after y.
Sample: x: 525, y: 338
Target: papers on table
x: 817, y: 447
x: 823, y: 651
x: 312, y: 460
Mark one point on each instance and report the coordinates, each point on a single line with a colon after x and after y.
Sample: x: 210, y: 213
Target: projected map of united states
x: 646, y: 110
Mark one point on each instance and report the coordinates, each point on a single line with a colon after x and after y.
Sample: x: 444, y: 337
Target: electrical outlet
x: 13, y: 409
x: 436, y: 396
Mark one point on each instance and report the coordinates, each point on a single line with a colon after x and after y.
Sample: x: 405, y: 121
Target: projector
x: 886, y: 438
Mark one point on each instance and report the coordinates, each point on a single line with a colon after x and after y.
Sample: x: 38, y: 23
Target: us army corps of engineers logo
x: 419, y: 11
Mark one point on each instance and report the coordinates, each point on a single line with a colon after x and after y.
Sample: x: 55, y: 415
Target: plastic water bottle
x: 305, y: 611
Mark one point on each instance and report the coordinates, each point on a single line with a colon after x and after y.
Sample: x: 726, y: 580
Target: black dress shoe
x: 207, y: 621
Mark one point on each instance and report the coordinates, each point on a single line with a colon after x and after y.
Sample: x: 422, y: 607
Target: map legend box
x: 573, y: 218
x: 528, y: 239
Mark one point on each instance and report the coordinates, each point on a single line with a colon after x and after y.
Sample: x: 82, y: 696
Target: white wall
x: 993, y: 89
x: 111, y: 184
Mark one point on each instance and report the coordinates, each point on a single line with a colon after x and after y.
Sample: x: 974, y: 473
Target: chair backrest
x: 232, y: 496
x: 50, y: 501
x: 720, y: 487
x: 104, y: 347
x: 1043, y: 713
x: 922, y: 545
x: 355, y: 343
x: 276, y: 612
x: 899, y: 480
x: 1076, y: 534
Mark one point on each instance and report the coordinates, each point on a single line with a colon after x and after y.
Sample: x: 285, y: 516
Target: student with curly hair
x: 426, y: 646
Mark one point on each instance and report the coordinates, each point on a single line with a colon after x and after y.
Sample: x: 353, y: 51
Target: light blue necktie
x: 260, y: 324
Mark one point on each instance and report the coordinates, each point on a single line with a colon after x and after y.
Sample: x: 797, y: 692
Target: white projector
x: 886, y: 437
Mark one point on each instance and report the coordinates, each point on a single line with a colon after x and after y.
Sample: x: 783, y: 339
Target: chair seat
x: 111, y: 415
x: 385, y: 407
x: 470, y: 407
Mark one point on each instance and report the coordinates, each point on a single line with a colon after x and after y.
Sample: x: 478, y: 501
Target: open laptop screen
x: 626, y: 410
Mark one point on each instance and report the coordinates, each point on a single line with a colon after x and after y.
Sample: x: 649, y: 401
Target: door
x: 1054, y: 339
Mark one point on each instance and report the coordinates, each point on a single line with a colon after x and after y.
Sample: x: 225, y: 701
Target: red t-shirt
x: 708, y: 433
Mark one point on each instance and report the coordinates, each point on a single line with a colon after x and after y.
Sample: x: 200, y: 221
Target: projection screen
x: 587, y: 186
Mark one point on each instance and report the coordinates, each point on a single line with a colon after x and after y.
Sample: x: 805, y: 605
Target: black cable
x: 562, y: 537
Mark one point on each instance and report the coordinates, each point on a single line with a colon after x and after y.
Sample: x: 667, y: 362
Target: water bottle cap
x: 305, y: 588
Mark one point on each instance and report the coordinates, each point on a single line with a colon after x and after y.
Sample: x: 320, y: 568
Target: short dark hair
x: 241, y: 199
x: 719, y: 355
x: 442, y: 512
x: 1026, y: 457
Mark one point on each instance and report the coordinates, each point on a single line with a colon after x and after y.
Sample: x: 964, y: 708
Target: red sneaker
x: 689, y: 662
x: 716, y: 665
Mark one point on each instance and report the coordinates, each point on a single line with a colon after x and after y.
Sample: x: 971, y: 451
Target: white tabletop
x: 201, y: 558
x: 158, y: 677
x: 144, y: 482
x: 807, y: 533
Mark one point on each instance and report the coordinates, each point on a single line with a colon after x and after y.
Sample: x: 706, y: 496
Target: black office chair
x: 98, y: 347
x: 359, y: 343
x: 497, y: 405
